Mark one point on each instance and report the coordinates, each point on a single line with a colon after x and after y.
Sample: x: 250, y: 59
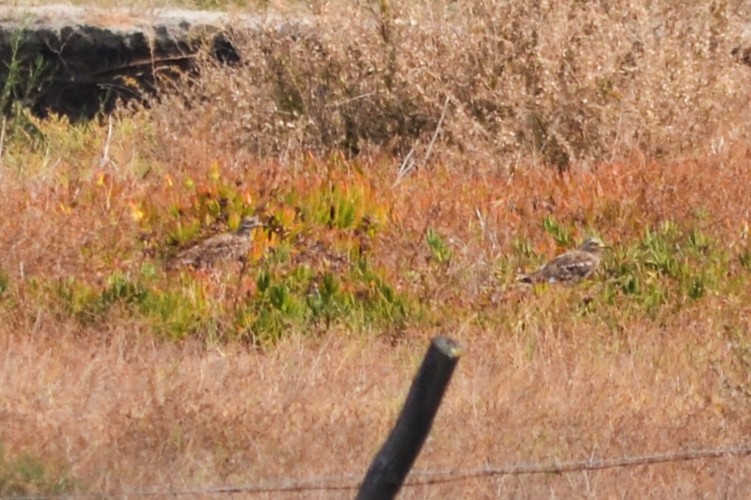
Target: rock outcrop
x: 79, y: 61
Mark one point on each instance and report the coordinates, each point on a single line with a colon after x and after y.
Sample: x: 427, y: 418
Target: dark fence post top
x: 395, y: 458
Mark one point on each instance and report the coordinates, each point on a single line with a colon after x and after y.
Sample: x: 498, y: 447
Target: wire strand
x: 418, y: 478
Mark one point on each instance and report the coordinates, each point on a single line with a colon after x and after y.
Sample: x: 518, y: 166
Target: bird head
x: 248, y: 224
x: 592, y: 245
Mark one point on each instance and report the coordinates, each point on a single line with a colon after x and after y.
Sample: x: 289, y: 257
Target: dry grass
x: 119, y: 375
x: 128, y: 414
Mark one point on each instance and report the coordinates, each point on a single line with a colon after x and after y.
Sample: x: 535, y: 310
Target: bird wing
x: 569, y: 267
x: 207, y: 252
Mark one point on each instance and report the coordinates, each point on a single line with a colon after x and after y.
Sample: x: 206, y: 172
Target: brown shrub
x: 561, y: 83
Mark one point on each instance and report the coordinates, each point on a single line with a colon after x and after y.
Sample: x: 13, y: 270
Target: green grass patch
x: 303, y: 300
x: 29, y: 476
x: 669, y: 265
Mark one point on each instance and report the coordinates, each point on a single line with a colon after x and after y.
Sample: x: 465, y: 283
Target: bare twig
x: 2, y: 136
x: 353, y: 99
x: 406, y: 167
x: 409, y: 162
x: 105, y: 159
x: 437, y: 130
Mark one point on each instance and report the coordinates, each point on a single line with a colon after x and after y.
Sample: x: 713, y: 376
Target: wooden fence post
x: 395, y: 458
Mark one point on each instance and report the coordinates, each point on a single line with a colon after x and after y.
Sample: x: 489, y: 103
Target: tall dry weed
x: 557, y: 83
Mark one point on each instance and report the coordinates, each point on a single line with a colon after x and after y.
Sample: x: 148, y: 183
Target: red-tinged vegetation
x: 551, y: 373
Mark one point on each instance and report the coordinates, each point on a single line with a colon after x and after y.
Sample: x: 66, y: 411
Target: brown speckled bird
x: 570, y: 267
x: 221, y: 247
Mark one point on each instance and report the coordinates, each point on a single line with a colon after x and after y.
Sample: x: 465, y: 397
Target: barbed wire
x: 591, y: 464
x: 419, y: 478
x: 333, y: 483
